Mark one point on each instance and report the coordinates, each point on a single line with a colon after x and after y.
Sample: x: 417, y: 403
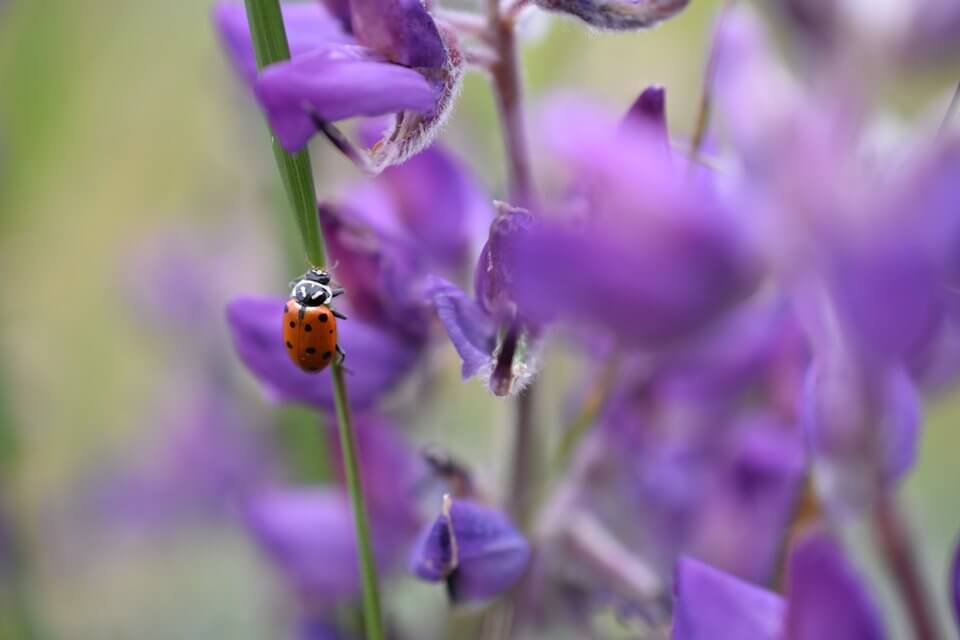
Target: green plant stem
x: 270, y: 45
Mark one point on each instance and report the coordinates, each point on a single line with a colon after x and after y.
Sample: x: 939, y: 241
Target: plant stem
x: 509, y: 95
x: 524, y: 445
x: 270, y: 45
x: 896, y: 547
x: 368, y: 569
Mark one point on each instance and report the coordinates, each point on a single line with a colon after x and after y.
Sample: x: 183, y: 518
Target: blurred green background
x: 120, y: 121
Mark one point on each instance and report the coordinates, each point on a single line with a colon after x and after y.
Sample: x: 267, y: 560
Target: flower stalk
x: 270, y: 45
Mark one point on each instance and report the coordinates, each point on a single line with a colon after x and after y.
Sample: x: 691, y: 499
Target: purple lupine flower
x: 379, y: 360
x: 617, y: 15
x: 474, y: 549
x: 658, y: 257
x: 308, y: 535
x: 825, y: 600
x: 390, y: 59
x: 955, y: 585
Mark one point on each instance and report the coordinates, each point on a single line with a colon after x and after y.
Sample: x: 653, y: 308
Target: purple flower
x: 390, y: 59
x: 657, y: 256
x: 475, y: 549
x: 308, y: 535
x: 824, y: 600
x: 955, y: 585
x: 617, y: 15
x: 378, y: 360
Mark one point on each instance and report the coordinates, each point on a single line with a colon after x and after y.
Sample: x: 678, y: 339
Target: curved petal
x: 474, y: 548
x: 400, y: 30
x: 336, y: 83
x: 711, y: 605
x: 617, y: 15
x: 308, y: 26
x: 826, y: 599
x: 377, y: 360
x: 472, y: 332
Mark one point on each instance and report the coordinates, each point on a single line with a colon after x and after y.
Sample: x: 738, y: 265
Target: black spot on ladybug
x: 289, y: 345
x: 292, y: 324
x: 326, y: 355
x: 313, y: 368
x: 311, y: 350
x: 307, y: 328
x: 331, y: 331
x: 323, y: 317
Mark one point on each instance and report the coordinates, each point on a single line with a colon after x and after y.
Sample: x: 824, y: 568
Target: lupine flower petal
x: 711, y: 605
x: 474, y: 548
x: 377, y: 360
x: 334, y: 83
x: 493, y: 277
x: 308, y: 26
x: 400, y: 30
x: 826, y: 600
x: 649, y: 111
x: 955, y: 585
x: 308, y: 535
x: 617, y: 15
x: 472, y: 331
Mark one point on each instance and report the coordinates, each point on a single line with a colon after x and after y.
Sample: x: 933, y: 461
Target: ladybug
x: 310, y: 324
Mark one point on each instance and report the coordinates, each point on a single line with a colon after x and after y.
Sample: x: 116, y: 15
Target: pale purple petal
x: 826, y: 599
x: 308, y: 26
x: 472, y: 332
x: 308, y: 535
x: 377, y: 361
x: 400, y: 30
x: 955, y: 585
x: 334, y: 83
x: 711, y: 605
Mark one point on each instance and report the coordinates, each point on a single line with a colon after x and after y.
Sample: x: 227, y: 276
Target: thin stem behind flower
x: 270, y: 45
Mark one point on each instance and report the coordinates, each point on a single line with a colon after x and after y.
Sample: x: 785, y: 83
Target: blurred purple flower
x: 377, y: 359
x: 824, y: 600
x: 955, y: 585
x: 617, y: 15
x: 471, y: 330
x: 475, y: 549
x: 390, y: 59
x: 658, y: 257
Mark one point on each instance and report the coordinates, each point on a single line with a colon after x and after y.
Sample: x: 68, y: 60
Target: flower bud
x: 617, y: 15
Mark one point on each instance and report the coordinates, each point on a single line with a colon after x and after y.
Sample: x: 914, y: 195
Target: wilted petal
x: 334, y: 83
x: 377, y: 360
x: 711, y: 605
x: 826, y: 599
x: 618, y: 15
x: 472, y: 331
x: 474, y: 548
x: 400, y: 30
x: 308, y: 26
x: 309, y: 536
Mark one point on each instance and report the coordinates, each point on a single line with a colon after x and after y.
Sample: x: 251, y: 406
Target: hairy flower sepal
x: 389, y: 60
x: 475, y: 550
x: 617, y: 15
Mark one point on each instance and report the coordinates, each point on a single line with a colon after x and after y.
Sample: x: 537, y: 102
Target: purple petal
x: 334, y: 83
x: 475, y: 548
x: 711, y: 605
x: 308, y: 535
x: 472, y: 332
x: 826, y: 598
x: 400, y: 30
x: 308, y: 26
x: 377, y: 360
x: 617, y: 15
x: 649, y: 111
x: 493, y: 277
x: 862, y: 421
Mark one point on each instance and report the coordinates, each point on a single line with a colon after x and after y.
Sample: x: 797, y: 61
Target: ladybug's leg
x: 337, y: 314
x: 343, y: 356
x: 338, y: 291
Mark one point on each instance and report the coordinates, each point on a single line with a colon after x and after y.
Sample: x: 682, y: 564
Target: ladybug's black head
x: 317, y: 275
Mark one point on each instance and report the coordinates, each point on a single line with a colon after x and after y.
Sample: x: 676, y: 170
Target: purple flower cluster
x: 756, y: 324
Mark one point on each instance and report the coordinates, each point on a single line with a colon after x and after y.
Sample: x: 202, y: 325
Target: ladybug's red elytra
x: 310, y: 323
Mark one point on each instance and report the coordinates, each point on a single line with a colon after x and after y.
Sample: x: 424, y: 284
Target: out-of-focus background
x: 128, y: 148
